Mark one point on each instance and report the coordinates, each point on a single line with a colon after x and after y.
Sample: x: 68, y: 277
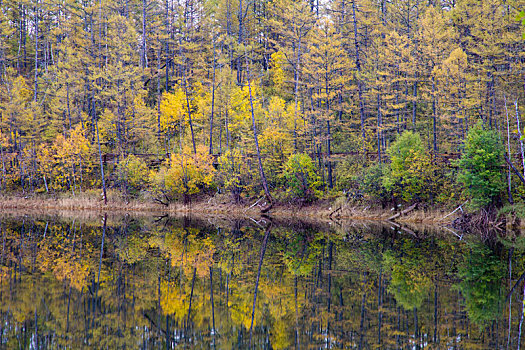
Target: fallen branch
x: 335, y: 211
x: 460, y: 207
x: 515, y: 285
x: 253, y: 205
x: 458, y: 236
x: 409, y: 209
x: 161, y: 202
x: 403, y: 212
x: 514, y: 169
x: 395, y: 216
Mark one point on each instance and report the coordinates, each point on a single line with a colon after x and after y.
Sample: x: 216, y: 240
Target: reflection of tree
x: 410, y: 283
x: 481, y: 274
x: 315, y: 288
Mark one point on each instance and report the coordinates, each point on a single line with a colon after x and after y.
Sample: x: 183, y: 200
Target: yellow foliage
x: 189, y: 173
x: 173, y: 110
x: 278, y: 74
x: 133, y: 171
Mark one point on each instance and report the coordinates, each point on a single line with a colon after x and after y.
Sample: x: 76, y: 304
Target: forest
x: 292, y: 100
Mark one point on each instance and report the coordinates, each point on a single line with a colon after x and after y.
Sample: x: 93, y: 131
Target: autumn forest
x: 403, y: 100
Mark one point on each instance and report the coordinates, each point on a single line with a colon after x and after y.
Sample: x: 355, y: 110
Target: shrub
x: 133, y: 173
x: 186, y: 175
x: 300, y: 175
x: 480, y: 167
x: 410, y: 175
x: 234, y: 174
x: 372, y: 183
x: 347, y: 172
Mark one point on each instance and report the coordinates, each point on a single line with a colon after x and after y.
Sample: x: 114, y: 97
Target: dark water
x: 180, y: 283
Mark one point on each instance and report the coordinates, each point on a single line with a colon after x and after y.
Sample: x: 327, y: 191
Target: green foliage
x: 410, y: 175
x: 133, y: 173
x: 301, y: 177
x: 480, y: 167
x: 481, y: 274
x: 409, y: 284
x: 347, y: 172
x: 234, y: 174
x: 372, y: 183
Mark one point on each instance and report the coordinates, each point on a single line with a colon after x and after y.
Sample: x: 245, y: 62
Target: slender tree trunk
x: 358, y: 67
x: 212, y: 100
x: 511, y: 251
x: 143, y: 62
x: 379, y: 126
x: 189, y: 111
x: 4, y: 172
x: 521, y: 318
x: 434, y: 115
x: 185, y: 82
x: 212, y: 304
x: 520, y: 136
x: 159, y: 98
x: 261, y: 257
x: 102, y: 177
x: 191, y: 295
x: 99, y: 266
x: 37, y: 9
x: 414, y: 104
x: 509, y: 177
x: 329, y: 136
x: 167, y: 46
x: 258, y: 151
x: 68, y: 106
x: 363, y: 313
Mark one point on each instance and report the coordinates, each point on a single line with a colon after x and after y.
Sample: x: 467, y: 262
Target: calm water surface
x: 162, y: 283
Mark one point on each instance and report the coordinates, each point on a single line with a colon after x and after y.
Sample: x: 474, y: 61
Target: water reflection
x: 168, y: 282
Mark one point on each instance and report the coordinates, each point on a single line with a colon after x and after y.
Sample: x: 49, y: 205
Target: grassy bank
x: 218, y: 206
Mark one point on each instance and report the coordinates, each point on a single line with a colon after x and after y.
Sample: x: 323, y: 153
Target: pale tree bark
x: 258, y: 151
x: 520, y: 136
x: 509, y: 177
x: 212, y: 99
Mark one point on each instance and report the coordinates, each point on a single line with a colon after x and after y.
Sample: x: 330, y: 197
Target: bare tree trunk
x: 511, y: 251
x: 4, y: 172
x: 185, y: 82
x: 509, y: 177
x: 261, y: 170
x: 191, y: 295
x: 212, y: 304
x: 379, y: 126
x: 434, y: 116
x: 143, y: 62
x: 261, y: 257
x: 329, y: 136
x: 36, y: 51
x: 94, y: 119
x: 521, y: 318
x: 189, y: 109
x: 167, y: 47
x: 520, y: 135
x: 212, y: 100
x: 358, y: 67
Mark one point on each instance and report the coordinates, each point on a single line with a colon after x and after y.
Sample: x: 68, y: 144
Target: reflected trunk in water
x: 189, y: 284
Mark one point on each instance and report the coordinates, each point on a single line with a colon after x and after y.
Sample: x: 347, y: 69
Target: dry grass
x: 322, y: 211
x: 435, y: 216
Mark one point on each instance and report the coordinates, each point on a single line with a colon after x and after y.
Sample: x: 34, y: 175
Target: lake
x: 126, y: 282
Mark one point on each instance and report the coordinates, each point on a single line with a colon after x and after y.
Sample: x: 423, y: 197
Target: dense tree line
x: 254, y: 96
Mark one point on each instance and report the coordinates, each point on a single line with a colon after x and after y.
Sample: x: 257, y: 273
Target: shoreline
x: 321, y: 211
